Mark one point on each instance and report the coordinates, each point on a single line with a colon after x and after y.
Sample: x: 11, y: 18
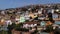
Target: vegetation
x: 49, y: 28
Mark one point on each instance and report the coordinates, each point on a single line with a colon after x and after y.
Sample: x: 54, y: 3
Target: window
x: 55, y: 15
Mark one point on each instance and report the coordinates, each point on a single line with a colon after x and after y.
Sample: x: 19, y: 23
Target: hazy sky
x: 18, y: 3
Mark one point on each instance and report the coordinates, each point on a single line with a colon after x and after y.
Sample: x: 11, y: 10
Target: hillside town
x: 32, y: 19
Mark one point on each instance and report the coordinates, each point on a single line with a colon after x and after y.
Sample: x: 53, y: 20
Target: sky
x: 4, y: 4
